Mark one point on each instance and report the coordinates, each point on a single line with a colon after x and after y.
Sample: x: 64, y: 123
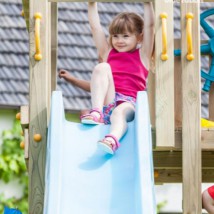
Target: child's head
x: 126, y: 22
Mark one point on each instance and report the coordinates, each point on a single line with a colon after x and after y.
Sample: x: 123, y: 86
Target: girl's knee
x: 102, y: 66
x: 118, y: 117
x: 117, y: 114
x: 124, y: 111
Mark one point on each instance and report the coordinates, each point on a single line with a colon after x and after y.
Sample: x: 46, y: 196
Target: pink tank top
x: 128, y: 72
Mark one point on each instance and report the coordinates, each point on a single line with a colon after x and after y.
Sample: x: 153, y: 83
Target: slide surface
x: 81, y: 179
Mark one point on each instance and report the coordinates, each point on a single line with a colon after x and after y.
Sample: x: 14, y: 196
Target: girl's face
x: 126, y: 42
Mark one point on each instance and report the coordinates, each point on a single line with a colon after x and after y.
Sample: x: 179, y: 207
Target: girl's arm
x: 83, y: 84
x: 97, y: 30
x: 148, y: 32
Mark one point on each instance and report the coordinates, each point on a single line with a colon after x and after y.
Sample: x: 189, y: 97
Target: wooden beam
x: 164, y: 81
x: 191, y: 103
x: 177, y: 86
x: 175, y: 176
x: 211, y: 102
x: 173, y: 159
x: 54, y: 44
x: 207, y: 140
x: 26, y: 143
x: 168, y: 166
x: 127, y: 1
x: 39, y: 93
x: 24, y: 117
x: 151, y: 96
x: 177, y: 141
x: 53, y: 48
x: 26, y: 140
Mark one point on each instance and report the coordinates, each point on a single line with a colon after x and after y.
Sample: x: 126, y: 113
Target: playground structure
x: 77, y: 173
x: 182, y: 151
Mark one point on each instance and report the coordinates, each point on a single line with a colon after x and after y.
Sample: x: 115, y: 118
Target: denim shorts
x: 119, y: 98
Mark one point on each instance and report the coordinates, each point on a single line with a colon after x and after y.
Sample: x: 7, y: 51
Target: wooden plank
x: 26, y: 140
x: 167, y: 159
x: 128, y: 1
x: 177, y: 142
x: 211, y: 102
x: 207, y: 140
x: 173, y: 159
x: 54, y: 44
x: 53, y: 34
x: 175, y: 176
x: 24, y: 117
x: 177, y: 85
x: 191, y: 102
x: 178, y: 89
x: 151, y: 97
x: 207, y: 175
x: 39, y: 94
x: 164, y: 78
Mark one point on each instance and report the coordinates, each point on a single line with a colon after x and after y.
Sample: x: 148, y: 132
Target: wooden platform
x: 168, y: 166
x: 168, y: 161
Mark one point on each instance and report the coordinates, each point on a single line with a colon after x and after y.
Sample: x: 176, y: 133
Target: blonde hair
x: 126, y: 22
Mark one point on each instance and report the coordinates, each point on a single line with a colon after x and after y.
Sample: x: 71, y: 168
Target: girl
x: 208, y: 200
x: 122, y: 73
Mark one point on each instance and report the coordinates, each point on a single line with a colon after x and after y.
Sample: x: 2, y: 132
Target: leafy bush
x: 161, y: 205
x: 13, y: 167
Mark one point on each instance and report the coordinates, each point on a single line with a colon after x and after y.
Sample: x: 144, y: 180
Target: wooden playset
x: 183, y: 151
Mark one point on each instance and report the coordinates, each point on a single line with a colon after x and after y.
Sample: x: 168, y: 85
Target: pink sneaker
x: 92, y: 119
x: 107, y: 145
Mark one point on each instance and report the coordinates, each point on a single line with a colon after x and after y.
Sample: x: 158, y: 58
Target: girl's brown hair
x: 126, y: 22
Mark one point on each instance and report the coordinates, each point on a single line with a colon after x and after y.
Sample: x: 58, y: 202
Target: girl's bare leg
x: 120, y: 116
x: 102, y: 86
x: 207, y: 202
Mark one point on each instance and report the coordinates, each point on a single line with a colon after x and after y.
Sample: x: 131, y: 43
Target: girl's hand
x: 64, y: 74
x: 92, y: 2
x: 83, y: 84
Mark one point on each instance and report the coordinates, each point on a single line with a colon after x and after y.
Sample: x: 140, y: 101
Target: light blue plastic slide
x: 81, y: 179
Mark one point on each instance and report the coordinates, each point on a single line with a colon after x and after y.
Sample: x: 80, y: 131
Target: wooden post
x: 54, y: 44
x: 191, y: 102
x: 151, y: 96
x: 52, y: 50
x: 211, y: 99
x: 178, y: 84
x: 164, y: 77
x: 211, y: 102
x: 39, y: 95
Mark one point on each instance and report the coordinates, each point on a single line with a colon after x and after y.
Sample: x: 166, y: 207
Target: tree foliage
x: 13, y: 167
x: 25, y: 6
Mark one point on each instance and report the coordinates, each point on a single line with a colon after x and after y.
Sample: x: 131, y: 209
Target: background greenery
x: 12, y: 167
